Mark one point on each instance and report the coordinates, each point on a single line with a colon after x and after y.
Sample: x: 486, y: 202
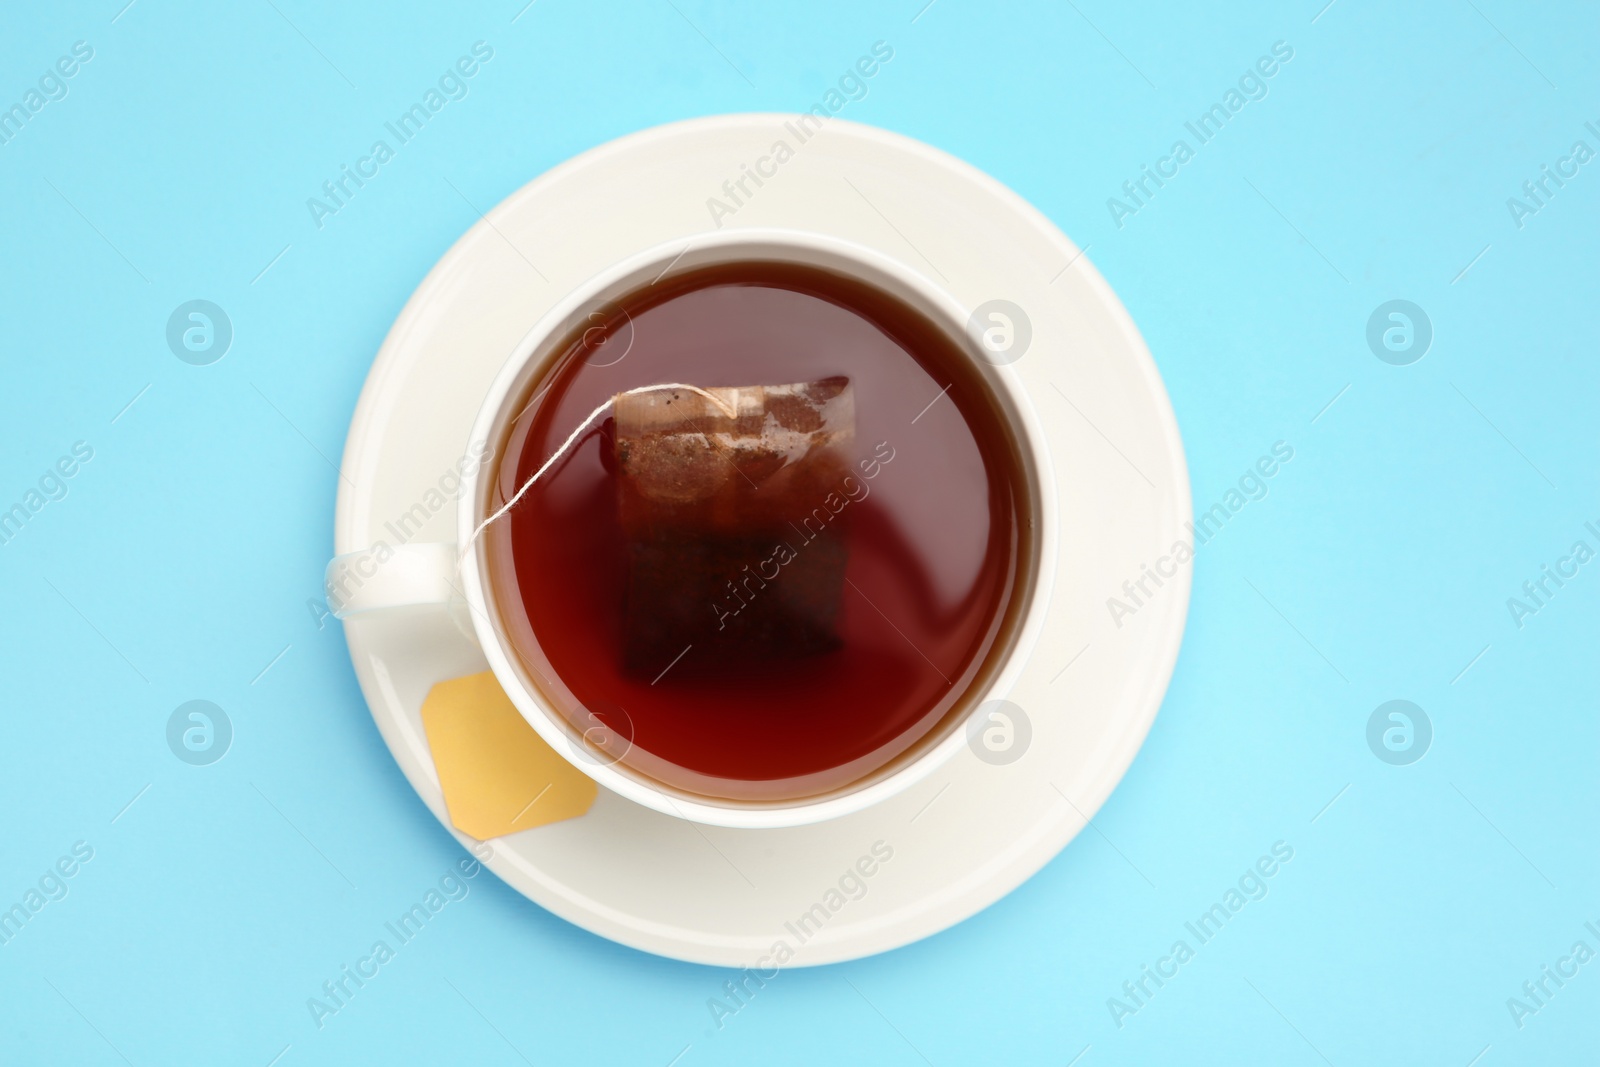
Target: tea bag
x: 732, y: 511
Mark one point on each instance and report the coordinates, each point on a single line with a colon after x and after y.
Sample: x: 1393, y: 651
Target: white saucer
x: 973, y: 831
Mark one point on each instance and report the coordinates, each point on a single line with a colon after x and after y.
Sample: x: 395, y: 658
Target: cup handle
x: 413, y: 575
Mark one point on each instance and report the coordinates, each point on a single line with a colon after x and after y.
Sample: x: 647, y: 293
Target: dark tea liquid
x: 935, y: 530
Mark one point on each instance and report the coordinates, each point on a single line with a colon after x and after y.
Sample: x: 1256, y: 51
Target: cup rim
x: 622, y: 276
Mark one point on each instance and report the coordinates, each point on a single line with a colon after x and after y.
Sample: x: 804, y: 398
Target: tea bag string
x: 573, y: 438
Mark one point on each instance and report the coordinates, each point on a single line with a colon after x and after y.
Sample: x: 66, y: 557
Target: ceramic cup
x: 416, y: 577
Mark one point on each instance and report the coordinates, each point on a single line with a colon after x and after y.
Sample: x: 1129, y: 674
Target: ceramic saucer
x: 980, y: 825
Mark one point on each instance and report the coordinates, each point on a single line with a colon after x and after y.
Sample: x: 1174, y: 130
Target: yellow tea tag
x: 499, y: 776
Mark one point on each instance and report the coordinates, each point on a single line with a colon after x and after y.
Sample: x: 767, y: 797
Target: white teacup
x: 418, y: 576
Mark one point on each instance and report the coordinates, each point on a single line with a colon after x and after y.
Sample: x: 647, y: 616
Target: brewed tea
x: 876, y: 583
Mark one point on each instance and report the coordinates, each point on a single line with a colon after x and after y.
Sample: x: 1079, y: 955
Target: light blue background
x: 181, y: 560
